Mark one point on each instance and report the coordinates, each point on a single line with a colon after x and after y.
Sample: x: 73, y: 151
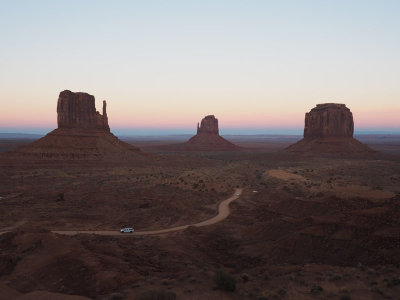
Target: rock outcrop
x: 209, y: 125
x: 329, y: 120
x: 206, y: 139
x: 83, y: 135
x: 77, y: 110
x: 329, y: 129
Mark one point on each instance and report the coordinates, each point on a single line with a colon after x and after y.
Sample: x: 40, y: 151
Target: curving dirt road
x: 223, y: 213
x: 11, y: 228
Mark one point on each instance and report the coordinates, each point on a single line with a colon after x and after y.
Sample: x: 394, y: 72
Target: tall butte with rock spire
x: 329, y: 129
x: 83, y: 134
x: 77, y: 110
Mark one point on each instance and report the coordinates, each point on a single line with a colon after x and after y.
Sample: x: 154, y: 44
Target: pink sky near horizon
x: 378, y: 119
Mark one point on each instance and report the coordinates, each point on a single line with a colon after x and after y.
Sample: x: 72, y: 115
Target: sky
x: 258, y: 66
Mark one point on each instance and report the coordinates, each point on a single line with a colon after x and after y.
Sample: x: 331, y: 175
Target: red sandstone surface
x: 78, y: 110
x: 312, y: 229
x: 329, y: 120
x: 83, y: 135
x: 329, y: 130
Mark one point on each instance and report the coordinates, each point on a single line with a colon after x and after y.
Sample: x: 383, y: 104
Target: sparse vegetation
x: 315, y: 289
x: 245, y: 277
x: 224, y: 281
x: 393, y: 282
x: 156, y: 295
x: 174, y: 197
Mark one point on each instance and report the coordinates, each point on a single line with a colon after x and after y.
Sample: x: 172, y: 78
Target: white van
x: 127, y: 230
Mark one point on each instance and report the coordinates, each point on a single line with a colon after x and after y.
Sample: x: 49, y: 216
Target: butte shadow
x: 83, y: 136
x: 207, y: 139
x: 328, y: 131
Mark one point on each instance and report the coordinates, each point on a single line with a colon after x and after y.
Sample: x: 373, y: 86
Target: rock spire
x: 77, y: 110
x: 83, y: 136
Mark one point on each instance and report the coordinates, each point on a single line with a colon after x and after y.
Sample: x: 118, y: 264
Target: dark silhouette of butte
x: 208, y: 138
x: 329, y: 129
x: 83, y: 134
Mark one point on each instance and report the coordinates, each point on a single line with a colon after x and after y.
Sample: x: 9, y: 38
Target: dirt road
x: 10, y: 228
x: 223, y: 213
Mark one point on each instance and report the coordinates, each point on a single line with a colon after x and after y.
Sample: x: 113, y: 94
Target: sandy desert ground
x: 316, y: 228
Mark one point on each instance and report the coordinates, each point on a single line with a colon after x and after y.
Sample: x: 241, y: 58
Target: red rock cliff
x: 329, y: 131
x: 209, y: 124
x: 329, y: 120
x: 77, y: 110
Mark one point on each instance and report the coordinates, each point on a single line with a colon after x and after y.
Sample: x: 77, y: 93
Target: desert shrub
x: 7, y: 264
x: 316, y: 289
x: 269, y: 295
x: 116, y: 296
x: 282, y: 291
x: 336, y: 277
x: 156, y: 295
x: 378, y: 290
x: 394, y: 282
x: 245, y: 277
x: 224, y: 281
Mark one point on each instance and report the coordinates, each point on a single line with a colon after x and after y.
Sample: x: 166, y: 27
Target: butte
x: 83, y: 135
x: 328, y: 130
x: 206, y: 139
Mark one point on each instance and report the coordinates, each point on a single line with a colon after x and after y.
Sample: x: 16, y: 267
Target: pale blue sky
x: 166, y: 64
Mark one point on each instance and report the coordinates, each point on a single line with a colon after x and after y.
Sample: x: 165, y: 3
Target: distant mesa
x: 209, y: 125
x: 329, y: 129
x: 329, y: 120
x: 83, y: 134
x: 206, y: 139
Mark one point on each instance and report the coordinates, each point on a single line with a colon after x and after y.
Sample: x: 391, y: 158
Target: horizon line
x: 142, y: 131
